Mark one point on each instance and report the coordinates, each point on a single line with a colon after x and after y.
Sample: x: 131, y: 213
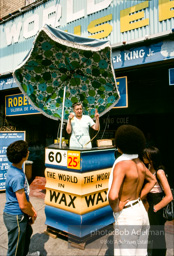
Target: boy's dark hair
x: 153, y: 155
x: 130, y: 140
x: 16, y: 151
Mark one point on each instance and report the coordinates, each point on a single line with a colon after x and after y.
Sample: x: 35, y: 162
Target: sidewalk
x: 47, y: 245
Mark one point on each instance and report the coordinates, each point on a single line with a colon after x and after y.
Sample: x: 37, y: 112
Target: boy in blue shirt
x: 18, y: 213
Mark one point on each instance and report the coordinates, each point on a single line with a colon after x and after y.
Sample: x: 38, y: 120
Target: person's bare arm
x: 68, y: 126
x: 24, y: 205
x: 118, y: 177
x: 150, y: 182
x: 167, y: 191
x: 96, y: 126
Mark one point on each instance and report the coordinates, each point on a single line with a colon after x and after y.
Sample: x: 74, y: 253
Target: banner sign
x: 18, y: 104
x: 6, y: 138
x: 75, y: 203
x: 143, y: 54
x: 100, y: 19
x: 77, y: 183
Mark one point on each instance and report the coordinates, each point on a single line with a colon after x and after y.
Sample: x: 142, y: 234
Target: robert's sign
x: 18, y: 104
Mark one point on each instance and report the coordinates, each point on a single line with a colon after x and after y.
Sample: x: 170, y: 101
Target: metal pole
x: 61, y: 125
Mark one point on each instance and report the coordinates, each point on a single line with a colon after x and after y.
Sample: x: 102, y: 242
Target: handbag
x: 168, y: 210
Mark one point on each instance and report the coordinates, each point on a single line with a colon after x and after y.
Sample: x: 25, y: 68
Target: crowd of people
x: 136, y: 175
x: 138, y: 231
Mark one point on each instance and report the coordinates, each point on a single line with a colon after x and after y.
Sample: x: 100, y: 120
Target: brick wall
x: 10, y: 6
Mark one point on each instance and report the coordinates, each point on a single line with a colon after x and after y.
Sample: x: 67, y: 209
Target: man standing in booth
x: 78, y: 126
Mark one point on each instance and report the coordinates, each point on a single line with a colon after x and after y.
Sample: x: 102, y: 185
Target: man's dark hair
x: 16, y: 151
x: 130, y: 140
x: 76, y: 104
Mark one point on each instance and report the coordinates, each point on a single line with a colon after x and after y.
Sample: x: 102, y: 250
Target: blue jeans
x: 19, y: 233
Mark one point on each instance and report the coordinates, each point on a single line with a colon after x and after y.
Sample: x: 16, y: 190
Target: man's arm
x: 150, y: 182
x: 96, y: 126
x: 24, y: 205
x: 68, y: 126
x: 118, y: 177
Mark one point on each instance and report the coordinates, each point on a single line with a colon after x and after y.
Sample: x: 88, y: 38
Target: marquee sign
x: 163, y: 50
x: 101, y: 19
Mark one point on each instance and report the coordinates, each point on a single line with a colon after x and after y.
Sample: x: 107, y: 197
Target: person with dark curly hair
x: 126, y: 189
x: 159, y: 196
x: 18, y: 213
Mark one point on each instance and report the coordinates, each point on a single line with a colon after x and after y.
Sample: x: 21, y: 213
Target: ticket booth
x: 76, y: 189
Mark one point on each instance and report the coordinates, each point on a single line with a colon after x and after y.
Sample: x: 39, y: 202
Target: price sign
x: 73, y: 158
x: 56, y: 157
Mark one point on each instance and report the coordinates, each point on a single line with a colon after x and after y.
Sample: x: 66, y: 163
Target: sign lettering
x: 101, y: 31
x: 103, y: 176
x: 67, y: 200
x: 73, y: 160
x: 76, y: 203
x: 166, y: 9
x: 132, y: 18
x: 18, y: 104
x: 68, y: 178
x: 55, y: 157
x: 77, y: 183
x: 50, y: 174
x: 88, y: 179
x: 94, y: 199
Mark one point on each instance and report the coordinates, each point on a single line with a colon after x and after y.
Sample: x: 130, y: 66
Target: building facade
x: 142, y: 38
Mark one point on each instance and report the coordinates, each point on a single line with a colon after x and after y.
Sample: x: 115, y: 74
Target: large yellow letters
x: 77, y: 30
x: 165, y: 9
x: 129, y: 17
x: 103, y: 30
x: 17, y: 101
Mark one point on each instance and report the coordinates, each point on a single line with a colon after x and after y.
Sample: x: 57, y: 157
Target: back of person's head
x: 130, y: 140
x: 152, y: 154
x: 16, y: 151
